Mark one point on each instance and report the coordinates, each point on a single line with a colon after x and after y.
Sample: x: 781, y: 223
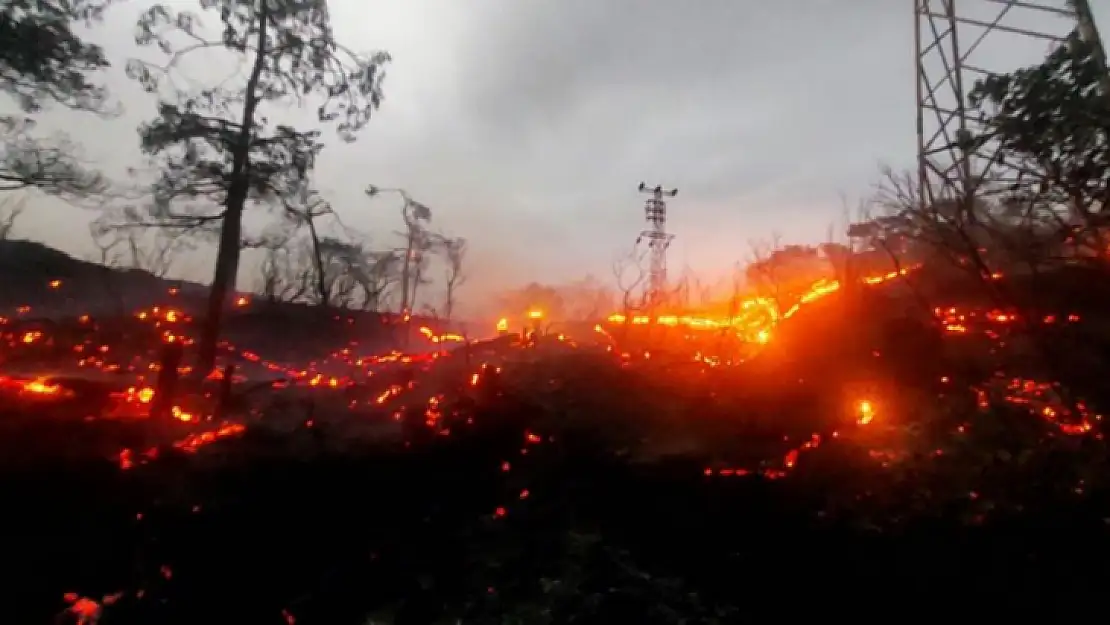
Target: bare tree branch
x: 51, y: 165
x: 10, y: 210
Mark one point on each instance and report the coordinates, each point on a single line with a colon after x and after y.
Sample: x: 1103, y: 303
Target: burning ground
x: 639, y: 472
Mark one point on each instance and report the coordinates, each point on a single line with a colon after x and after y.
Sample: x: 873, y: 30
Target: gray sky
x: 526, y: 124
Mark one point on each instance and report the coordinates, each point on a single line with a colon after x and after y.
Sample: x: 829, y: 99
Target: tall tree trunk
x: 231, y: 231
x: 227, y: 269
x: 416, y: 282
x: 322, y: 291
x: 405, y: 268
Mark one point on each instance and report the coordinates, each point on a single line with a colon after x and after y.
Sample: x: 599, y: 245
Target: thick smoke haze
x: 526, y: 126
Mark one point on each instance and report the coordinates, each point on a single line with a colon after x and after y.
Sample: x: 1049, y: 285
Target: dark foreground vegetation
x: 413, y: 538
x: 569, y: 482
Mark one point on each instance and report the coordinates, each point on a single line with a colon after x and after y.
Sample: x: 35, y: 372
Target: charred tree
x: 214, y: 145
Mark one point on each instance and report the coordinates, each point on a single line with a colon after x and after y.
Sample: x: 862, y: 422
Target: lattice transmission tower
x: 658, y: 240
x: 958, y: 42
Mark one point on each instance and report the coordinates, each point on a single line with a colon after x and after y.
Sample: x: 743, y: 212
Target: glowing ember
x: 41, y: 387
x: 865, y: 411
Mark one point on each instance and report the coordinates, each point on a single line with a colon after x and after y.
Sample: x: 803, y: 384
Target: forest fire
x: 754, y: 318
x: 36, y: 388
x: 434, y: 393
x: 87, y: 350
x: 437, y: 385
x: 912, y: 406
x: 755, y: 322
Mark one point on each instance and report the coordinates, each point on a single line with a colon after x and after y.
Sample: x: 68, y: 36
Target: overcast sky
x: 526, y: 125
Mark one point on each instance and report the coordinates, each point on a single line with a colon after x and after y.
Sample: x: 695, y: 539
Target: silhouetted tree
x: 421, y: 247
x: 417, y: 242
x: 303, y: 209
x: 1052, y: 121
x: 324, y: 271
x: 42, y: 58
x: 214, y: 143
x: 281, y: 276
x: 343, y: 266
x: 43, y: 61
x: 454, y: 256
x: 154, y: 251
x: 49, y: 165
x: 629, y: 273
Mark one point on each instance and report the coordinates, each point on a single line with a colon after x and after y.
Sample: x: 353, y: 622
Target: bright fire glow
x: 756, y: 317
x: 866, y: 411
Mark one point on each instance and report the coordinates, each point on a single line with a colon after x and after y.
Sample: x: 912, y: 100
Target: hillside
x: 57, y: 286
x: 27, y: 269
